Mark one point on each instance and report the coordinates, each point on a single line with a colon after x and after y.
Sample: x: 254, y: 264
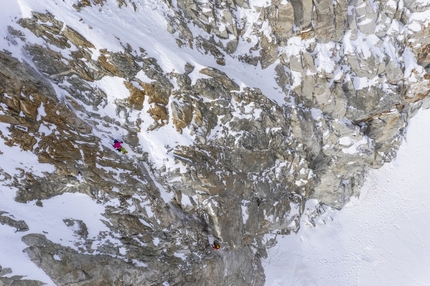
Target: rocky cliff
x: 235, y: 113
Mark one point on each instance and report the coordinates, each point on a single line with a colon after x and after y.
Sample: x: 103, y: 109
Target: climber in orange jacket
x: 216, y: 245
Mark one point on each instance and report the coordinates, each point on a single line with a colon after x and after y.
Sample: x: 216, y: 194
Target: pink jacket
x: 117, y: 145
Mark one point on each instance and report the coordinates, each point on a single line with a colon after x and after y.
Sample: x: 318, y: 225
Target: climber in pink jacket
x: 117, y: 145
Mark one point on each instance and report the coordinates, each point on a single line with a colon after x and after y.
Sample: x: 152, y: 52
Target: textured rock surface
x: 253, y: 163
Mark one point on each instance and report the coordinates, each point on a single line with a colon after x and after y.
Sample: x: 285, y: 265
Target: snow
x: 143, y: 77
x: 364, y: 220
x: 114, y: 88
x: 11, y: 256
x: 186, y: 201
x: 156, y: 241
x: 417, y: 18
x: 245, y: 214
x: 316, y: 114
x: 392, y: 4
x: 324, y: 54
x: 260, y: 3
x: 364, y: 82
x: 47, y: 220
x: 14, y: 155
x: 40, y: 112
x: 351, y: 145
x: 411, y: 66
x: 379, y: 238
x: 415, y: 26
x: 180, y: 255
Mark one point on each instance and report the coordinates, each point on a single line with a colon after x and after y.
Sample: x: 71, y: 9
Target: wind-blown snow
x: 380, y: 238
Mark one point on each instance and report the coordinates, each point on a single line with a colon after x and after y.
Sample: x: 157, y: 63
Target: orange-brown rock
x: 104, y: 62
x: 137, y: 96
x: 182, y: 114
x: 159, y: 113
x: 155, y: 92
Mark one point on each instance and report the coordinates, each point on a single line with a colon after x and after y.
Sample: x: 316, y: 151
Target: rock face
x: 350, y: 77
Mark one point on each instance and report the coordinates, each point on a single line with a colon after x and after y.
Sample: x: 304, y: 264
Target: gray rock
x: 19, y: 225
x: 302, y: 13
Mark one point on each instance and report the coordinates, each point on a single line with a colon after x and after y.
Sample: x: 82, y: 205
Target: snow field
x: 380, y: 238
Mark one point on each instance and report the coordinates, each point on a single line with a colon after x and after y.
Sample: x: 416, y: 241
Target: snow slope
x: 380, y: 238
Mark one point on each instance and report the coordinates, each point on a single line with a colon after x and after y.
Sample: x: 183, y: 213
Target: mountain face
x: 234, y: 114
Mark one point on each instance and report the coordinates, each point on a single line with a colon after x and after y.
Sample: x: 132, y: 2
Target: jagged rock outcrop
x: 349, y: 84
x: 16, y: 279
